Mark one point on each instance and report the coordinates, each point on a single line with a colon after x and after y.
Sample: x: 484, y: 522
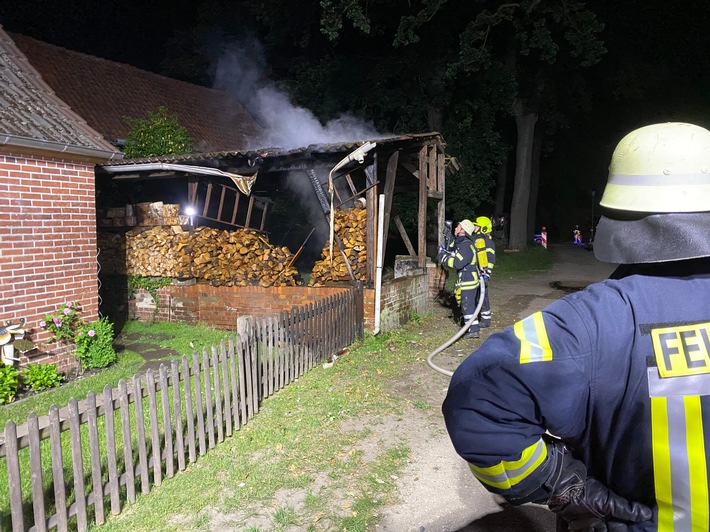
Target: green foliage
x: 149, y: 284
x: 94, y: 344
x: 9, y: 382
x: 38, y: 377
x: 159, y: 133
x: 63, y: 323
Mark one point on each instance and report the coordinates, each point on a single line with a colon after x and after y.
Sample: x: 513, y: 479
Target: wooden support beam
x: 405, y: 236
x: 421, y: 218
x: 251, y: 206
x: 221, y: 202
x: 236, y: 208
x: 431, y: 170
x: 207, y: 200
x: 263, y: 216
x: 441, y: 206
x: 389, y: 192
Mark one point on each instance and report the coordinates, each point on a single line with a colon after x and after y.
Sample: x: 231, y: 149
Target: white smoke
x: 241, y: 72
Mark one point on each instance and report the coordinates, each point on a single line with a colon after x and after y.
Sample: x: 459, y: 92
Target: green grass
x: 533, y: 259
x: 296, y: 438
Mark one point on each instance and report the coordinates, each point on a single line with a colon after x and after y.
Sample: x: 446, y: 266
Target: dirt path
x: 437, y: 491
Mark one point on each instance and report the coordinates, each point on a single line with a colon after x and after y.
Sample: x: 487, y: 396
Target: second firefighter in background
x: 482, y: 228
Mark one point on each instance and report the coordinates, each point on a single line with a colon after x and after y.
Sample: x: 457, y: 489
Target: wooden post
x: 423, y: 167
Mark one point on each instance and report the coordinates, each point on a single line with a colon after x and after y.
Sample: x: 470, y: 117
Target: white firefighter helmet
x: 657, y: 197
x: 467, y: 225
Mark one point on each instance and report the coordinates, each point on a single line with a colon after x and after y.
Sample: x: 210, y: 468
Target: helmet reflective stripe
x: 534, y: 344
x: 504, y: 475
x: 679, y: 465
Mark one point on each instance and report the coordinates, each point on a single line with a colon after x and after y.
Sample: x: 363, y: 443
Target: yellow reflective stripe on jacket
x: 679, y: 464
x: 534, y: 344
x: 505, y: 475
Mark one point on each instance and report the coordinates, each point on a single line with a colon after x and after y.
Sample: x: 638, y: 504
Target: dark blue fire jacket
x: 620, y: 372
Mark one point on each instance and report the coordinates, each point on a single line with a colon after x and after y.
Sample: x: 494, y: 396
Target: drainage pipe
x: 380, y: 260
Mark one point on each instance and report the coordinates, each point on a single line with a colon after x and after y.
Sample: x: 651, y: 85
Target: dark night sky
x: 657, y: 67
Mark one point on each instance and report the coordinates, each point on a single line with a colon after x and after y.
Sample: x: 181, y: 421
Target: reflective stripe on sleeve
x: 534, y: 344
x: 505, y: 475
x: 679, y: 464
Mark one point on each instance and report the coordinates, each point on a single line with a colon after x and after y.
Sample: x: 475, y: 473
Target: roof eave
x: 82, y: 152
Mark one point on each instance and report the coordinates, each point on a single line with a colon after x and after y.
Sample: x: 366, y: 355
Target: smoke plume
x: 241, y: 72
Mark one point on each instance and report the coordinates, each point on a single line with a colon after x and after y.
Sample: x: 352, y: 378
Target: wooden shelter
x: 235, y: 188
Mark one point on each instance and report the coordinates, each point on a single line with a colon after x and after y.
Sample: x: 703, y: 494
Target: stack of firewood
x: 143, y: 215
x: 223, y: 258
x: 351, y: 227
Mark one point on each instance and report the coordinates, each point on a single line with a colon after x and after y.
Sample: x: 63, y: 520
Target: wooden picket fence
x: 157, y: 423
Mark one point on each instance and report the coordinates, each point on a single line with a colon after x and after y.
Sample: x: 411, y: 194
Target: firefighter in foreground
x: 461, y: 257
x: 482, y: 228
x: 599, y: 405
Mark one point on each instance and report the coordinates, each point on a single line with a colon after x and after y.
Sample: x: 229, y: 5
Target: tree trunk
x: 501, y: 181
x: 534, y: 180
x: 525, y: 122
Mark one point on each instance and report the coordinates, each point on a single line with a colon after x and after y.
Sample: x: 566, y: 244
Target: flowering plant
x: 63, y: 323
x: 94, y: 340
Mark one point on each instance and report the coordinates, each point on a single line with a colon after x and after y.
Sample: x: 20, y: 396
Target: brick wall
x: 400, y: 299
x: 47, y: 244
x: 221, y: 306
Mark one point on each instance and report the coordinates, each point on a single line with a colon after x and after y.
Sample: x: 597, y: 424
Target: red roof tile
x: 103, y: 92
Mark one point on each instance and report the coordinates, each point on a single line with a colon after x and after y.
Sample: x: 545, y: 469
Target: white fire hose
x: 458, y: 335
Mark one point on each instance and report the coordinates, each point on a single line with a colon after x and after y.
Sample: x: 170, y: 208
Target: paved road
x: 439, y: 493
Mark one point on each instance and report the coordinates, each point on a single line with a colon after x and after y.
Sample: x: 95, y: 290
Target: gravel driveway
x: 437, y: 491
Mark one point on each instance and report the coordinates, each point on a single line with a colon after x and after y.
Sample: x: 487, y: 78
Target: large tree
x: 530, y: 47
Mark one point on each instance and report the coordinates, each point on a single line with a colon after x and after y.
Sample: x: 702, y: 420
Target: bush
x: 9, y: 382
x: 94, y: 344
x: 38, y: 377
x: 159, y: 133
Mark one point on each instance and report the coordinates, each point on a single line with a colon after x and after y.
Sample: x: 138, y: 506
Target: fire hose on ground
x: 458, y: 334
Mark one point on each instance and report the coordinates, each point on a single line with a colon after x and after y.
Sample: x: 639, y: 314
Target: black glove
x: 585, y: 504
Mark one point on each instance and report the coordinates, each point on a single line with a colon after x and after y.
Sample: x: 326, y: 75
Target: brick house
x: 48, y: 228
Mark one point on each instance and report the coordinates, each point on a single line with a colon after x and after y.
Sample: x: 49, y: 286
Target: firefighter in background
x: 599, y: 405
x: 461, y: 257
x: 486, y: 253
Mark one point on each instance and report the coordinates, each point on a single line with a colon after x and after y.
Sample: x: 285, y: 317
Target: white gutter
x: 59, y: 147
x: 380, y: 260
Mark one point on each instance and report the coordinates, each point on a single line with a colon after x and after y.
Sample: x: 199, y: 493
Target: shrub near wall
x: 48, y: 236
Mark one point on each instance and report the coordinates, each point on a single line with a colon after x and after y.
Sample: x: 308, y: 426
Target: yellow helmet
x: 657, y: 197
x: 467, y: 225
x: 484, y: 223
